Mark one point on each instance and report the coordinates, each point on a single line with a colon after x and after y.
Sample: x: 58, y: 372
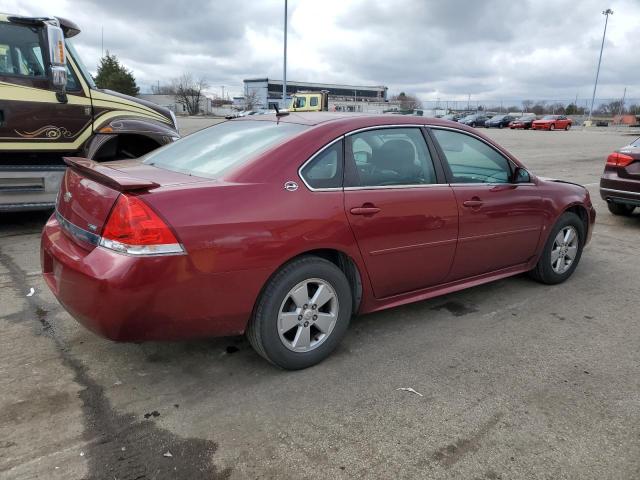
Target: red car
x: 523, y: 122
x: 282, y: 227
x: 552, y: 122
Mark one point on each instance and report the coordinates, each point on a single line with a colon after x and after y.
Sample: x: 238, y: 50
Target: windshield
x: 549, y: 117
x: 76, y: 58
x: 213, y: 151
x: 498, y: 117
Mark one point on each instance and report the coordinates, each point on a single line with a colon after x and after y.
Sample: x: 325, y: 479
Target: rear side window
x: 389, y: 157
x: 215, y: 150
x: 325, y: 169
x: 471, y: 160
x: 313, y: 102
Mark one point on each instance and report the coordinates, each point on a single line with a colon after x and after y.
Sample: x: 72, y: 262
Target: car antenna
x: 278, y: 112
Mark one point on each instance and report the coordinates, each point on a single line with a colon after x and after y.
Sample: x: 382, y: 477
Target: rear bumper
x: 127, y: 298
x: 619, y: 190
x: 29, y: 188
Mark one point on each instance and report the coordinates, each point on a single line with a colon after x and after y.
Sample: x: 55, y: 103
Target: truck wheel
x: 562, y: 251
x: 620, y: 209
x: 302, y: 315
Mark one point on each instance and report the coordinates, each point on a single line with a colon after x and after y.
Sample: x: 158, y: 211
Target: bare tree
x: 407, y: 102
x: 189, y: 92
x: 163, y: 90
x: 527, y: 104
x: 250, y: 100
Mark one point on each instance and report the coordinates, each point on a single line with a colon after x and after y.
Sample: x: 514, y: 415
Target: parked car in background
x: 282, y: 227
x: 454, y: 117
x: 552, y: 122
x: 474, y: 120
x: 499, y: 121
x: 523, y: 122
x: 620, y: 181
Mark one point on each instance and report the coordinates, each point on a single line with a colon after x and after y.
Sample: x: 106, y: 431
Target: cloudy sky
x: 491, y: 50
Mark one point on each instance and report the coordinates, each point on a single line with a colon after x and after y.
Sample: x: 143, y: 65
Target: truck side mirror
x: 58, y: 58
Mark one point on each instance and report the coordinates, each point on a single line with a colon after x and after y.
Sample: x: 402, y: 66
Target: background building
x: 266, y: 92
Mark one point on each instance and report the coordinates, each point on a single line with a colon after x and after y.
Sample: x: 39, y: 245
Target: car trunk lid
x: 90, y: 189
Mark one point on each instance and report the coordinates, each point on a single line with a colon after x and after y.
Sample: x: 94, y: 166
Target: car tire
x: 500, y: 126
x: 552, y: 126
x: 567, y: 127
x: 473, y: 125
x: 620, y: 209
x: 277, y: 310
x: 550, y: 271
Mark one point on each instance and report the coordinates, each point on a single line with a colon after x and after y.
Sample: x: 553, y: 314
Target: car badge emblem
x: 67, y: 197
x: 92, y: 227
x: 290, y: 186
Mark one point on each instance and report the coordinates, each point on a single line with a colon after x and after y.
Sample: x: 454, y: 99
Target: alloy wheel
x: 564, y: 250
x: 308, y: 315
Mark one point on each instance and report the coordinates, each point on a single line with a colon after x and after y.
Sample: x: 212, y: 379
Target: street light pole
x: 284, y: 72
x: 606, y: 13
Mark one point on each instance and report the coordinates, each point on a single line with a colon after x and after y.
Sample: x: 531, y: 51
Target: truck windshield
x: 215, y: 150
x: 83, y: 70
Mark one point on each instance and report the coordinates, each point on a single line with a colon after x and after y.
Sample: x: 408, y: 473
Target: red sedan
x: 283, y: 227
x: 552, y: 122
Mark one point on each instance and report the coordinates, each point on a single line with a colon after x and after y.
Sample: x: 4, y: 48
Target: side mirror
x: 521, y: 175
x: 58, y: 57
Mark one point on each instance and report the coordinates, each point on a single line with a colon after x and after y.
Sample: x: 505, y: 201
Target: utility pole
x: 284, y: 72
x: 222, y: 86
x: 624, y: 95
x: 606, y: 14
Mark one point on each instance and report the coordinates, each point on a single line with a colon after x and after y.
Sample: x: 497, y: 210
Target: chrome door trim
x: 624, y: 192
x: 332, y: 189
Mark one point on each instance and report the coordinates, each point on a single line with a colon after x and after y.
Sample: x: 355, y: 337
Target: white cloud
x: 491, y: 50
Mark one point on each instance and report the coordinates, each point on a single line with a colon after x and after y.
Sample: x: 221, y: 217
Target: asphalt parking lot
x: 516, y: 379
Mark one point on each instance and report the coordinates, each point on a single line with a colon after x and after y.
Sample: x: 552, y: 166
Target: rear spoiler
x: 108, y: 176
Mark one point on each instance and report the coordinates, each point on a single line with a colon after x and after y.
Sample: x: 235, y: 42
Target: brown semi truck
x: 51, y: 108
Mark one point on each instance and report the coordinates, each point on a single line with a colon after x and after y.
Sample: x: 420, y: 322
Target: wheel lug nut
x: 315, y: 317
x: 305, y: 306
x: 299, y: 317
x: 314, y: 306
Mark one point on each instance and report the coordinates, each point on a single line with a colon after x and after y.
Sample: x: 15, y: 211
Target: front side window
x: 325, y: 170
x: 389, y: 157
x: 218, y: 149
x: 20, y: 51
x: 471, y: 160
x: 313, y: 102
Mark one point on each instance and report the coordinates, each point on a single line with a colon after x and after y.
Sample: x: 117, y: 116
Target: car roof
x: 348, y: 119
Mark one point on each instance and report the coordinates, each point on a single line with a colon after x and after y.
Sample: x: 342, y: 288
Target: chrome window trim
x: 479, y: 138
x: 417, y: 185
x: 635, y: 194
x: 311, y: 158
x: 387, y: 187
x: 379, y: 127
x: 397, y: 187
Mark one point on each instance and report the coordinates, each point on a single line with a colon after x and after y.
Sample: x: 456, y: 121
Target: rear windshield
x: 213, y: 151
x: 636, y: 143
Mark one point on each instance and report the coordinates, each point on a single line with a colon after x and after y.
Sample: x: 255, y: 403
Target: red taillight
x: 619, y: 160
x: 133, y: 226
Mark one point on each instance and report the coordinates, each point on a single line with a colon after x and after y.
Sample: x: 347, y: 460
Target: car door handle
x: 473, y: 203
x: 364, y: 210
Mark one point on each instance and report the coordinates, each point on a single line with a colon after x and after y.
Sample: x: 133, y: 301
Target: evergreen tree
x: 115, y: 77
